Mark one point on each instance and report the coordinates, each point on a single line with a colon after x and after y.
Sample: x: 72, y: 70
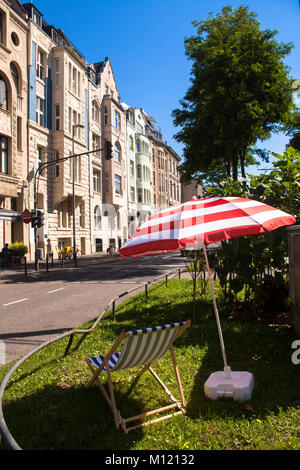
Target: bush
x: 18, y: 248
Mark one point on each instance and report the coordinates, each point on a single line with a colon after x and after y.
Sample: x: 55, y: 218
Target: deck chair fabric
x: 141, y: 347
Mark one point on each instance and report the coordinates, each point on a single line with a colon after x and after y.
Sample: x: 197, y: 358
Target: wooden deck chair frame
x: 119, y: 361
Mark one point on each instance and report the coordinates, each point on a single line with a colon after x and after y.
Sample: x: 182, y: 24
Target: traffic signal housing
x: 37, y: 218
x: 109, y: 150
x: 40, y: 218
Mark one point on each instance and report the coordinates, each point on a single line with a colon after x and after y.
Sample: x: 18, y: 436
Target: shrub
x: 18, y: 248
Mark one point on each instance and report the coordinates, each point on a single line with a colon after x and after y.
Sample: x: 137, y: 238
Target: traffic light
x: 37, y: 218
x: 40, y: 218
x: 109, y: 150
x: 34, y: 219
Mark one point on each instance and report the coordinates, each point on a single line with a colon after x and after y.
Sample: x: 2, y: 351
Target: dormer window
x: 36, y: 18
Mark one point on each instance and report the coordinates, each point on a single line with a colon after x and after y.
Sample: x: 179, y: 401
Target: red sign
x: 26, y: 216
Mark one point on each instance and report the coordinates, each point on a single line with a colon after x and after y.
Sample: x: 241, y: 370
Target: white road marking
x: 55, y: 290
x: 15, y: 302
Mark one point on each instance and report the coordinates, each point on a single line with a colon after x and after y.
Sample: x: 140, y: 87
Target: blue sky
x: 145, y: 43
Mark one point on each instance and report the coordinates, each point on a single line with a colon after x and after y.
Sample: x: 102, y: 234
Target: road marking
x: 15, y: 302
x: 129, y: 282
x: 55, y: 290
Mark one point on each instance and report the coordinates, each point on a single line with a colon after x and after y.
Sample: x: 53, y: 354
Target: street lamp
x: 73, y: 192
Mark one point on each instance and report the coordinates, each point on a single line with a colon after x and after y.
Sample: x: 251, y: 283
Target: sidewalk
x: 29, y: 268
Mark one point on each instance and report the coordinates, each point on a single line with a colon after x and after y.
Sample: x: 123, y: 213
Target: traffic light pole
x: 35, y: 188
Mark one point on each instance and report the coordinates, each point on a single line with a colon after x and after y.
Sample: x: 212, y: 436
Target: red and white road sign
x: 26, y: 216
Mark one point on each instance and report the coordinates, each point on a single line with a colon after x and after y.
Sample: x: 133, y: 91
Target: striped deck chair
x: 141, y: 347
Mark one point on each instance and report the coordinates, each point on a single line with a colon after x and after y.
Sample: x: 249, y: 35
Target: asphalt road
x: 42, y: 305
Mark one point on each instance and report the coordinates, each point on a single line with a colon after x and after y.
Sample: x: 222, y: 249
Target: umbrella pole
x: 210, y: 276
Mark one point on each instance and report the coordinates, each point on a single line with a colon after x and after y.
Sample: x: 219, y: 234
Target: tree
x: 295, y: 132
x: 240, y: 92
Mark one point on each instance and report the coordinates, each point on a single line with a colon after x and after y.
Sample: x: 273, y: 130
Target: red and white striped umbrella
x: 201, y: 222
x: 197, y: 223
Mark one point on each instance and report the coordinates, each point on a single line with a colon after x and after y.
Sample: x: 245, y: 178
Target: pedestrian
x: 49, y: 249
x: 6, y: 253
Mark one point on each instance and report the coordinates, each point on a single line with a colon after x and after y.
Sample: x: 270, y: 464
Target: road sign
x: 26, y: 216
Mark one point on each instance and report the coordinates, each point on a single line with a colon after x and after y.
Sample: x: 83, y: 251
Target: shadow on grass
x: 263, y: 350
x: 58, y: 418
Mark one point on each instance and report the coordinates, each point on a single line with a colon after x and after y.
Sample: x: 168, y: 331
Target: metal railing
x: 4, y: 431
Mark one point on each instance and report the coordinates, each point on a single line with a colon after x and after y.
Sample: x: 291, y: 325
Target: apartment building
x: 139, y: 167
x: 13, y: 122
x: 54, y: 105
x: 107, y: 124
x: 166, y: 177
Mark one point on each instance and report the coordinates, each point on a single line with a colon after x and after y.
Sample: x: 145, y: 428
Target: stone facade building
x: 13, y: 122
x: 54, y: 105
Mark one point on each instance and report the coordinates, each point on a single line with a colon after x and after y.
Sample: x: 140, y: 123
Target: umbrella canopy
x: 201, y: 222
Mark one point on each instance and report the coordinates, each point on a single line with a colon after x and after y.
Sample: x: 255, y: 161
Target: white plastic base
x: 236, y: 385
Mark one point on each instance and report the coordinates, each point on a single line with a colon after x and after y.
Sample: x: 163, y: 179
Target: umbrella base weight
x: 236, y: 385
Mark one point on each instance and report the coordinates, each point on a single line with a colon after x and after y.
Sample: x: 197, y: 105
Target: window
x: 105, y: 115
x: 70, y: 75
x: 40, y: 110
x: 131, y: 164
x: 15, y: 76
x: 69, y: 120
x: 40, y: 64
x: 57, y: 72
x: 138, y: 145
x: 36, y: 18
x: 96, y: 143
x: 117, y: 153
x: 139, y: 171
x: 77, y: 169
x: 78, y: 83
x: 140, y: 195
x: 132, y: 194
x: 74, y: 80
x: 95, y: 111
x: 3, y: 95
x: 3, y: 154
x: 56, y: 116
x: 81, y: 215
x: 131, y: 144
x: 74, y: 122
x: 57, y: 164
x: 96, y: 181
x: 2, y: 27
x: 117, y: 120
x: 118, y: 184
x: 19, y: 133
x: 97, y: 217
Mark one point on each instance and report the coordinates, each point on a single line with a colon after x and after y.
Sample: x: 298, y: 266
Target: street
x: 41, y: 306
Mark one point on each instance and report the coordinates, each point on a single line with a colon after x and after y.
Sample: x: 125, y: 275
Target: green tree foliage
x: 295, y: 132
x: 257, y: 266
x: 240, y: 92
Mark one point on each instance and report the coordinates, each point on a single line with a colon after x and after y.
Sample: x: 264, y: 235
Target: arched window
x: 117, y: 153
x: 97, y: 217
x: 3, y: 94
x: 95, y: 110
x: 15, y: 76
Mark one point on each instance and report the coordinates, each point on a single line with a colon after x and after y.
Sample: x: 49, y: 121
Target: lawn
x: 47, y: 404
